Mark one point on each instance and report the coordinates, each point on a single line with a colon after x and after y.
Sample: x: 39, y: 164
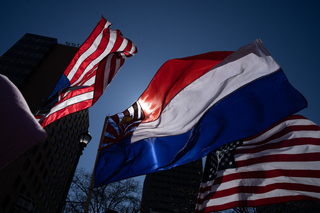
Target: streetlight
x: 85, y: 138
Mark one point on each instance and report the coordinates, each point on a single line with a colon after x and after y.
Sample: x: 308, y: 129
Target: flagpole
x: 94, y: 168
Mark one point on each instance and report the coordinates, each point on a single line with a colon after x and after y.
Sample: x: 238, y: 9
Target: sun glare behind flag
x: 280, y: 164
x: 89, y: 73
x: 193, y: 106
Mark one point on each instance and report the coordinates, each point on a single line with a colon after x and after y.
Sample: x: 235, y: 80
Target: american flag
x: 278, y: 165
x: 89, y: 73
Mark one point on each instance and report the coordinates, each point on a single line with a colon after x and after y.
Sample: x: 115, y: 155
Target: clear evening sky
x: 162, y: 30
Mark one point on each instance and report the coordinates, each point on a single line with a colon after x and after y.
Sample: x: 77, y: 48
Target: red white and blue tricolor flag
x: 89, y: 73
x: 193, y: 106
x: 280, y: 164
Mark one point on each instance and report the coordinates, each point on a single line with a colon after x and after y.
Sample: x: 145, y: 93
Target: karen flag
x: 193, y: 106
x: 280, y: 164
x: 89, y: 73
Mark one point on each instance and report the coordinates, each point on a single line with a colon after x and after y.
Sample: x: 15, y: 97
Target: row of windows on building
x: 19, y: 61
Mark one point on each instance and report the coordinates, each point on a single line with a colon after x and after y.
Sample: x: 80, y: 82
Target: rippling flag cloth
x: 280, y: 164
x: 89, y: 73
x: 193, y: 106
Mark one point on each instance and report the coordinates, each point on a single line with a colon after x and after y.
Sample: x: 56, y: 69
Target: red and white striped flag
x: 89, y: 73
x: 278, y: 165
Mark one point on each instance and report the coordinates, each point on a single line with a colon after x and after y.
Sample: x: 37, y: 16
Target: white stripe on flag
x: 74, y: 100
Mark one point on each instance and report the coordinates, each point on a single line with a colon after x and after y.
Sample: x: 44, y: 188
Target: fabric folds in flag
x: 19, y: 129
x: 280, y: 164
x: 89, y: 73
x: 193, y: 106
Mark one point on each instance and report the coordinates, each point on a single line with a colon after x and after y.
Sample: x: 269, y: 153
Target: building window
x: 5, y: 202
x: 23, y: 188
x: 17, y: 182
x: 41, y: 193
x: 35, y: 180
x: 41, y: 166
x: 48, y: 153
x: 26, y: 164
x: 31, y: 173
x: 44, y: 173
x: 38, y: 187
x: 38, y: 158
x: 53, y: 140
x: 50, y: 160
x: 45, y: 144
x: 51, y: 132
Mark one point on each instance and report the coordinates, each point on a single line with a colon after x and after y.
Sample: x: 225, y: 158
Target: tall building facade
x: 173, y: 190
x: 39, y: 180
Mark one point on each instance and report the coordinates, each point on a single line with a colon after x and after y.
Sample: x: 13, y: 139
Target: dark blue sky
x: 162, y: 30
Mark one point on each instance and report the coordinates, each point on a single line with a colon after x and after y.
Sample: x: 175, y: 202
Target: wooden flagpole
x: 94, y: 168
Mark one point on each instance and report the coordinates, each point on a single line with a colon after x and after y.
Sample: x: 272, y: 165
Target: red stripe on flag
x: 280, y: 158
x: 66, y: 111
x: 260, y: 175
x: 283, y: 144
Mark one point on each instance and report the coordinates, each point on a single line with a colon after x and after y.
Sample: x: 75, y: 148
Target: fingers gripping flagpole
x: 94, y: 168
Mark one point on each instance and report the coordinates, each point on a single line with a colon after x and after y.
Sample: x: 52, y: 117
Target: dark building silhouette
x: 173, y: 190
x: 41, y: 177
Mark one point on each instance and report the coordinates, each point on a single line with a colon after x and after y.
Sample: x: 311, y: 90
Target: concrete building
x: 173, y: 190
x: 39, y: 180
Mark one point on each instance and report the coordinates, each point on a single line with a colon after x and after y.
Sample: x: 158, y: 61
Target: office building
x: 173, y: 190
x: 39, y: 180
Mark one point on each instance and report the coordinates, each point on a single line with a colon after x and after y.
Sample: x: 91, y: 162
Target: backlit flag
x: 280, y: 164
x: 19, y: 129
x: 91, y: 70
x: 193, y: 106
